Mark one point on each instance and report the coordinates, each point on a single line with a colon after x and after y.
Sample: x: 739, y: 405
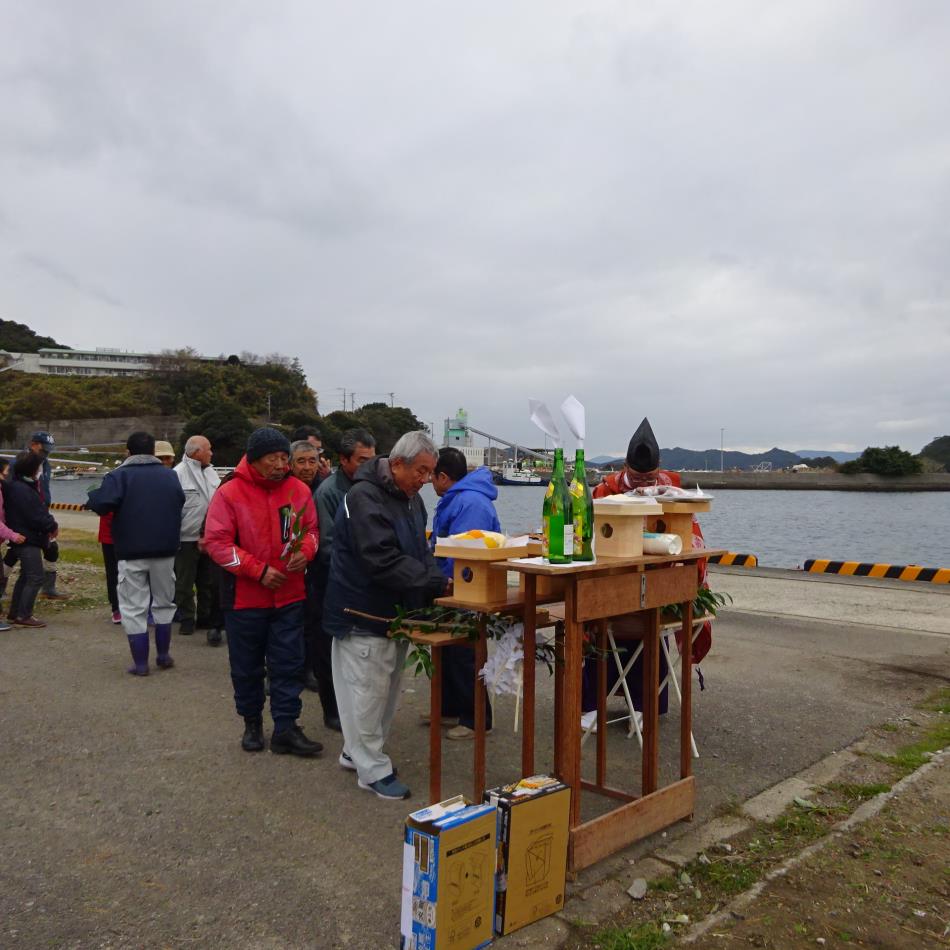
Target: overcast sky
x: 719, y: 215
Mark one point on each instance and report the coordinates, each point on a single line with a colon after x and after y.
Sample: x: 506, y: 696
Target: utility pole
x: 391, y: 395
x: 352, y: 402
x: 722, y: 433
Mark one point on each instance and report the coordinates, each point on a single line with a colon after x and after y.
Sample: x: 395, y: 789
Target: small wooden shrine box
x: 618, y: 527
x: 474, y: 580
x: 677, y: 518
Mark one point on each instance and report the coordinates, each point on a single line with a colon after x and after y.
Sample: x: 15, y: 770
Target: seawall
x: 816, y: 481
x: 112, y: 431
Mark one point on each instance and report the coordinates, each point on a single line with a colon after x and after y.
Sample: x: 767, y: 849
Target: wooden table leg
x: 571, y: 724
x: 529, y: 666
x: 651, y: 701
x: 559, y: 660
x: 601, y: 702
x: 481, y: 656
x: 435, y: 728
x: 686, y: 693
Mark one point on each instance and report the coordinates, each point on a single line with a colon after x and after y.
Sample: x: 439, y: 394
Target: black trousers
x: 318, y: 643
x: 112, y: 575
x: 458, y: 686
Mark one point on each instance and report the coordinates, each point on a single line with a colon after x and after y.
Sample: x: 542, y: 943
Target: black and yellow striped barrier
x: 63, y: 506
x: 735, y: 560
x: 912, y: 572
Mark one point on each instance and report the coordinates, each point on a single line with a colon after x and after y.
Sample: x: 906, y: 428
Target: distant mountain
x: 693, y: 460
x: 19, y: 338
x: 822, y: 453
x: 603, y: 460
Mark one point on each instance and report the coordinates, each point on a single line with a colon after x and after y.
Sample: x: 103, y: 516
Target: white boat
x: 519, y: 476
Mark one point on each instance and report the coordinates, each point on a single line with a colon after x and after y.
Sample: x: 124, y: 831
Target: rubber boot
x: 138, y: 644
x: 163, y: 640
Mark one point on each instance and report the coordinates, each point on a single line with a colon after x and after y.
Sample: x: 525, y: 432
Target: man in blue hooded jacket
x: 466, y: 501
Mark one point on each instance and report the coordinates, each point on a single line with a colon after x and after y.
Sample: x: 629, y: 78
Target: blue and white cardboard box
x: 448, y: 877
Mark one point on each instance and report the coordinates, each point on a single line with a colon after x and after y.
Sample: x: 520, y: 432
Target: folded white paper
x: 541, y: 417
x: 576, y: 418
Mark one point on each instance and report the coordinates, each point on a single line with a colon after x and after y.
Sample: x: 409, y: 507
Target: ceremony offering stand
x: 593, y: 593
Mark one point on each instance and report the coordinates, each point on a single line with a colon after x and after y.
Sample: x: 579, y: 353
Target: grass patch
x: 858, y: 792
x: 663, y: 884
x: 639, y: 937
x: 939, y: 703
x: 911, y: 757
x: 729, y: 876
x: 889, y: 727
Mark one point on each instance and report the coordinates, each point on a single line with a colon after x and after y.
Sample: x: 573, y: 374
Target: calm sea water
x: 782, y: 528
x: 785, y: 528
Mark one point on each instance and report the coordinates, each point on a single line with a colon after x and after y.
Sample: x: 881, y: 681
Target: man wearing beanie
x: 262, y: 529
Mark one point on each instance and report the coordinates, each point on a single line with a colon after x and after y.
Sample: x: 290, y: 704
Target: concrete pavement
x: 131, y: 817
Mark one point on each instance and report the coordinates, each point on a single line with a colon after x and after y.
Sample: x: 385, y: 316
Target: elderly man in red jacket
x: 262, y: 529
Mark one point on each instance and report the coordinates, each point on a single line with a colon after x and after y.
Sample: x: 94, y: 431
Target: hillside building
x: 98, y: 362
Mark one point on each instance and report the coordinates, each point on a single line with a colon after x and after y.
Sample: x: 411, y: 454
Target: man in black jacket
x: 147, y: 500
x: 380, y: 561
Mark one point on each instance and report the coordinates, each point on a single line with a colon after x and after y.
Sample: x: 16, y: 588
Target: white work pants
x: 142, y: 582
x: 366, y: 674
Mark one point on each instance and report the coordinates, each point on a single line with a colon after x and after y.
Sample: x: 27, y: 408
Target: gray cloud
x: 731, y: 216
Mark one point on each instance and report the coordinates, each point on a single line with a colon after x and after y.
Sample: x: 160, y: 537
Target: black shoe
x: 333, y: 723
x: 214, y: 637
x: 253, y: 739
x: 186, y: 628
x: 310, y: 682
x: 292, y: 741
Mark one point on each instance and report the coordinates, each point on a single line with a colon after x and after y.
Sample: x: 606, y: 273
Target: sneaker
x: 28, y: 622
x: 460, y: 732
x: 116, y: 616
x: 389, y: 787
x: 426, y: 719
x: 346, y: 762
x: 4, y: 626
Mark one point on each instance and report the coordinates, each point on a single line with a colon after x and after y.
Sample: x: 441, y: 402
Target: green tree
x: 226, y: 426
x: 890, y: 461
x: 938, y: 451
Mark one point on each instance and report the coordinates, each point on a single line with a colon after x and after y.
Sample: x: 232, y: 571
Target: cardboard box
x: 533, y: 818
x: 448, y: 877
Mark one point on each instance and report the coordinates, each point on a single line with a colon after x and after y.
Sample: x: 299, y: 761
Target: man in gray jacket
x: 193, y: 567
x: 356, y: 447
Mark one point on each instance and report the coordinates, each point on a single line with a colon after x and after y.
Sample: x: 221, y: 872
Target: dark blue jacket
x: 380, y: 558
x: 147, y: 500
x: 26, y: 513
x: 468, y: 504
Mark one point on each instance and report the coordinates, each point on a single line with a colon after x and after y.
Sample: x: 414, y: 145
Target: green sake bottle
x: 557, y: 545
x: 582, y: 503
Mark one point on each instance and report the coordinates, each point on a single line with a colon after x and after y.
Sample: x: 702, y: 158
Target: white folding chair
x: 620, y: 687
